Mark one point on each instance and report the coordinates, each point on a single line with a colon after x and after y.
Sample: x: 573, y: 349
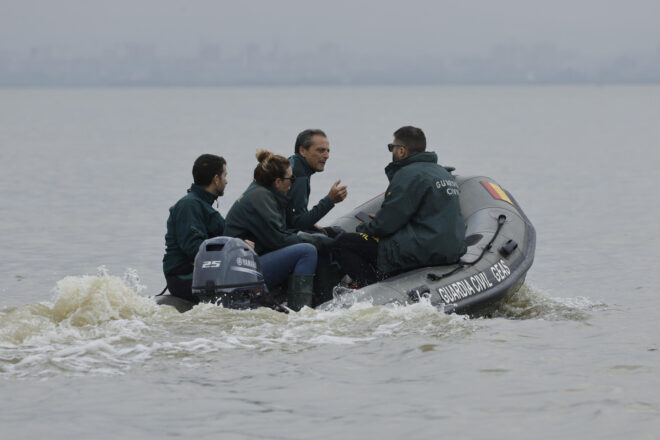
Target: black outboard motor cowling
x: 228, y: 272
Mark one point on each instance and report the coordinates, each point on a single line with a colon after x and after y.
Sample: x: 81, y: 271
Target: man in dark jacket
x: 419, y: 222
x: 192, y: 220
x: 312, y: 150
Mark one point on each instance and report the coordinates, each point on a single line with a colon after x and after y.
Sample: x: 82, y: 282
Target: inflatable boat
x: 500, y: 250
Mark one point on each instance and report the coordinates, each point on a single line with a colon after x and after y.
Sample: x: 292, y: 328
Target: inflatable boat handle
x: 500, y: 222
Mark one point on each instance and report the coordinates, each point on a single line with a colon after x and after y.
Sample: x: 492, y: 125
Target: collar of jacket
x: 301, y: 168
x: 282, y: 200
x: 203, y: 194
x: 424, y: 156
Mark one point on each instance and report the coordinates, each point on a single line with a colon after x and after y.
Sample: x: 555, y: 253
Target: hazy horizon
x: 441, y: 40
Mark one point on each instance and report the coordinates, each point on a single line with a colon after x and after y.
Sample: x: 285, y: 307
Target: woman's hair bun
x: 264, y: 156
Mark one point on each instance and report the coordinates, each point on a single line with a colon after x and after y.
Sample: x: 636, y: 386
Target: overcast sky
x: 441, y: 27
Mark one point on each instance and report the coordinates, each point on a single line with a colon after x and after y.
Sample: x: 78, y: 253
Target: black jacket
x: 419, y: 222
x: 259, y: 215
x: 298, y: 217
x: 192, y: 220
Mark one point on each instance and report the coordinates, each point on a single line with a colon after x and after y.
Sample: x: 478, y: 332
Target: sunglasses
x: 391, y: 146
x: 292, y: 178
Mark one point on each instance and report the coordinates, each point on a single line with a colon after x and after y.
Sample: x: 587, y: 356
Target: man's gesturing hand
x: 337, y: 193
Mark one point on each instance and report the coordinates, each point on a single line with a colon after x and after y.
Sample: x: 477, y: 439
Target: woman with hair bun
x: 259, y: 215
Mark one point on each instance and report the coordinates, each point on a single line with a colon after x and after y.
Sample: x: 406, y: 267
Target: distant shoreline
x: 82, y: 86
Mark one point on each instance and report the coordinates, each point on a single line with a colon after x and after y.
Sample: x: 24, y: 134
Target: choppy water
x: 88, y: 176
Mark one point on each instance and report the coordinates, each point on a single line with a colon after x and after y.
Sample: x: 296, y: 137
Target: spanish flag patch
x: 497, y: 192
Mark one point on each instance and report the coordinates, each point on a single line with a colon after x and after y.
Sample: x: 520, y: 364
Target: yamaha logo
x: 245, y: 262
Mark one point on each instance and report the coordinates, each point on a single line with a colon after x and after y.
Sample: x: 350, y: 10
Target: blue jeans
x: 297, y: 259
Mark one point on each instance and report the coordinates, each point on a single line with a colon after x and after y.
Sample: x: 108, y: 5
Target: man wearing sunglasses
x: 419, y: 222
x: 312, y: 150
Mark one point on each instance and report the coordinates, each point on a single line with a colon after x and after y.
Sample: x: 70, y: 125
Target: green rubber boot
x: 299, y: 292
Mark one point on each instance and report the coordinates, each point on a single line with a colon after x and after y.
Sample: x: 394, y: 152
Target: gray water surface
x: 88, y: 176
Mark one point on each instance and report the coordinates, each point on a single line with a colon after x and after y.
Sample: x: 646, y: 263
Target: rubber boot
x: 327, y: 277
x: 299, y: 292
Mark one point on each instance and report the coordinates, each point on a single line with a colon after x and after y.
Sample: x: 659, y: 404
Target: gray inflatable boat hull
x: 486, y: 275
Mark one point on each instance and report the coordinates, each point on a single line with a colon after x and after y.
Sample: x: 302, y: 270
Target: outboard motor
x: 228, y: 272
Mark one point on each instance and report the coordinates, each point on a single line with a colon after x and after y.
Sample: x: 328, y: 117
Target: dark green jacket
x: 259, y: 215
x: 298, y: 217
x: 419, y: 222
x: 192, y: 220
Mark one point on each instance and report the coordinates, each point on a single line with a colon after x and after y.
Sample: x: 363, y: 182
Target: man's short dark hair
x: 304, y: 139
x: 412, y: 137
x: 206, y: 167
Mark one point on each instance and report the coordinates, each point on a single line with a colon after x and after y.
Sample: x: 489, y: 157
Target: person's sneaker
x: 349, y: 283
x: 345, y: 281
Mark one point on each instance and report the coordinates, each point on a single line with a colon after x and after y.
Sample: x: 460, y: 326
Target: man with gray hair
x: 312, y: 150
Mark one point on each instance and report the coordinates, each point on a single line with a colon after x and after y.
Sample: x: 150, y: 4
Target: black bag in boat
x: 228, y: 272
